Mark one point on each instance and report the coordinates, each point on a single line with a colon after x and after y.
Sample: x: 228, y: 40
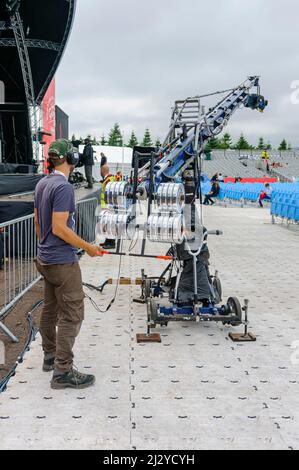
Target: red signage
x: 48, y: 112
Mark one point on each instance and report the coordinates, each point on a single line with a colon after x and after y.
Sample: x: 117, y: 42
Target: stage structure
x: 30, y: 52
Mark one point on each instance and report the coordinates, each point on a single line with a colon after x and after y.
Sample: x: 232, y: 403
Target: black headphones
x: 72, y: 156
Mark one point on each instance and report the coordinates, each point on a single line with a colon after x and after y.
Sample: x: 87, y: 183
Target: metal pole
x: 6, y: 331
x: 123, y: 157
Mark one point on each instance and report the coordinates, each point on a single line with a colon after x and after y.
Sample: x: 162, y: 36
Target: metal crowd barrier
x: 18, y: 249
x: 85, y: 218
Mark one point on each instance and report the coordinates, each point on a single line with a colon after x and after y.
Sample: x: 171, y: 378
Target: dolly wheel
x: 153, y: 311
x: 154, y: 316
x: 235, y: 308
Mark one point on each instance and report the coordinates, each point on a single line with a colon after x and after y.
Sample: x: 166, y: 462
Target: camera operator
x: 57, y: 262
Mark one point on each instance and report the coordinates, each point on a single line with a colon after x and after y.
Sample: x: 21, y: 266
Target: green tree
x: 147, y: 139
x: 269, y: 146
x: 226, y: 142
x: 158, y: 143
x: 133, y: 142
x: 283, y: 145
x: 103, y: 140
x: 242, y: 143
x: 94, y: 141
x: 73, y: 138
x: 115, y: 138
x: 261, y: 144
x: 213, y: 144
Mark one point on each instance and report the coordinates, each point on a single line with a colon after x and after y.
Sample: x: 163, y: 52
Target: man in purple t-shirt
x: 63, y: 310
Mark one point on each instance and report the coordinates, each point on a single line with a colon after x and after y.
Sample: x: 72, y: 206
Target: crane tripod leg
x: 148, y: 337
x: 246, y: 336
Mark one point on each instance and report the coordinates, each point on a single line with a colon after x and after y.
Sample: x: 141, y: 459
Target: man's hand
x: 61, y: 230
x: 94, y: 250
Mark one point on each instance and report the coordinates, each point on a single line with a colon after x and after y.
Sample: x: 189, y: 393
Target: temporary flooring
x: 195, y: 390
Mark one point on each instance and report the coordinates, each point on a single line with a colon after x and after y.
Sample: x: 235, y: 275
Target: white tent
x: 119, y: 159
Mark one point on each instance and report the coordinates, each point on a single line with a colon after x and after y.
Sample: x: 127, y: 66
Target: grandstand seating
x: 237, y: 191
x: 230, y: 165
x: 285, y: 201
x: 234, y: 163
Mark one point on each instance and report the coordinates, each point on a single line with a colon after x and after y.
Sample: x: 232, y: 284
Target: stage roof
x: 47, y: 25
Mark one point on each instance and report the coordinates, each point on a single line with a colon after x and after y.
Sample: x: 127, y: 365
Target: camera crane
x: 170, y: 183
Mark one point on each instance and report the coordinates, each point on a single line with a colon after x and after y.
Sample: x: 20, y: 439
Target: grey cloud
x: 127, y: 61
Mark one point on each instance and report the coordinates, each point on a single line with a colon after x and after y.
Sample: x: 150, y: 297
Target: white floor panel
x: 195, y: 390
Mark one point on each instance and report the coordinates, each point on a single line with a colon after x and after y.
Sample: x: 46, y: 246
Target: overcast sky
x: 128, y: 60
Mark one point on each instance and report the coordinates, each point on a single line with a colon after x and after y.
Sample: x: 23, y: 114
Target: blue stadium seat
x: 285, y: 201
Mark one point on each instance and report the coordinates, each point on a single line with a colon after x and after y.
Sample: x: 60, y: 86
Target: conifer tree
x: 115, y: 138
x: 261, y: 144
x: 147, y: 140
x: 133, y: 142
x: 226, y: 141
x: 242, y: 143
x: 283, y: 145
x: 213, y: 144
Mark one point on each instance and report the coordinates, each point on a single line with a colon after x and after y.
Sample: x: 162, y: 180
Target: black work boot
x: 49, y: 360
x: 72, y: 379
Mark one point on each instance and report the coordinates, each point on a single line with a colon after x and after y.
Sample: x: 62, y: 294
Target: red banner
x: 48, y: 111
x: 252, y: 180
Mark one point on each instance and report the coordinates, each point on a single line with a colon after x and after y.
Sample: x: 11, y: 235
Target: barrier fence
x: 18, y: 249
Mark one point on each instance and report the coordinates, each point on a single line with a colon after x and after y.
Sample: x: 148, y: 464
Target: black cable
x: 100, y: 289
x: 32, y: 335
x: 133, y: 243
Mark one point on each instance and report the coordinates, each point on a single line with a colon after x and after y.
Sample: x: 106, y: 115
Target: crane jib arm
x: 195, y: 135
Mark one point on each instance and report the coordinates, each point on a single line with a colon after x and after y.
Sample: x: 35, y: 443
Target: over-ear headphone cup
x: 72, y: 158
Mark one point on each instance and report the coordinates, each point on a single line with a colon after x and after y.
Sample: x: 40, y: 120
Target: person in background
x: 215, y: 177
x: 88, y: 161
x: 109, y: 244
x: 119, y: 176
x: 220, y: 178
x: 103, y: 159
x: 215, y: 189
x: 265, y: 194
x: 57, y: 262
x: 265, y: 154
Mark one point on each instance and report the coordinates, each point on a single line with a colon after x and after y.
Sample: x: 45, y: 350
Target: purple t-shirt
x: 54, y: 194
